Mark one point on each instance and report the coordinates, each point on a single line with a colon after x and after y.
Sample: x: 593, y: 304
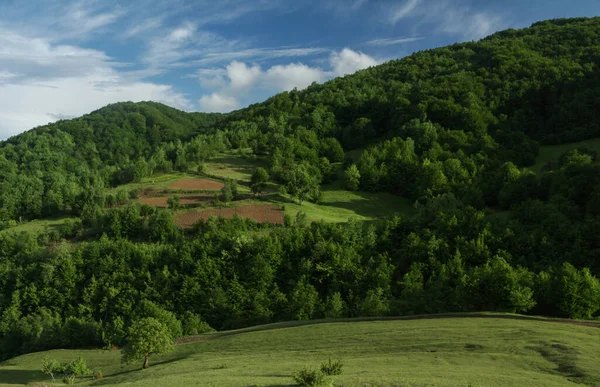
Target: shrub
x: 193, y: 324
x: 308, y: 377
x: 332, y: 368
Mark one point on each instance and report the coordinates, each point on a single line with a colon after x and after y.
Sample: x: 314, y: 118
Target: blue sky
x: 63, y: 58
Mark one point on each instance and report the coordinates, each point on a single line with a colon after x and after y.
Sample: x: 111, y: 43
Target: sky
x: 63, y: 58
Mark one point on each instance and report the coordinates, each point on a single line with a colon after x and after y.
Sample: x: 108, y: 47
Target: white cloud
x: 240, y: 82
x: 145, y: 26
x: 280, y: 78
x: 449, y: 17
x: 242, y: 76
x: 24, y: 106
x: 391, y: 42
x: 348, y: 62
x: 404, y: 10
x: 218, y: 103
x: 81, y: 19
x: 41, y: 82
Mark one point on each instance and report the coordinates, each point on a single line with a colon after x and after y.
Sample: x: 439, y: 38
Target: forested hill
x: 511, y: 89
x: 452, y: 130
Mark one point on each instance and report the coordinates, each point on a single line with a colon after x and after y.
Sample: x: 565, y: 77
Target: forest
x: 456, y: 130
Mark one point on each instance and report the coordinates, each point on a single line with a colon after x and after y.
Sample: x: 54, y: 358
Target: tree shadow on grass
x: 14, y: 376
x: 109, y: 379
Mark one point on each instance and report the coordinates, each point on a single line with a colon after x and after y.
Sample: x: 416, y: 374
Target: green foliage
x: 173, y: 203
x: 448, y: 131
x: 352, y: 175
x: 308, y: 377
x: 146, y: 337
x: 229, y: 192
x: 302, y: 183
x: 68, y: 372
x: 259, y: 180
x: 50, y: 367
x: 332, y: 368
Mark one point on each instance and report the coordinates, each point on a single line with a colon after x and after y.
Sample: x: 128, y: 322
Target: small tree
x: 173, y: 203
x: 229, y: 191
x: 50, y: 367
x: 68, y: 371
x: 352, y: 178
x: 258, y: 182
x: 146, y: 337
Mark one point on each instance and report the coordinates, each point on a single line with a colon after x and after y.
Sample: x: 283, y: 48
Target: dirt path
x: 292, y: 324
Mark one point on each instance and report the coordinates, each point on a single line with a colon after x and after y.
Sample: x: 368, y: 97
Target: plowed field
x: 197, y: 184
x: 161, y: 201
x: 262, y: 214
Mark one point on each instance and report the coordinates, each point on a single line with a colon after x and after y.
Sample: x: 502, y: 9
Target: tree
x: 229, y: 191
x: 69, y: 371
x: 302, y: 183
x: 173, y: 203
x: 50, y: 367
x: 146, y: 337
x: 352, y: 178
x: 258, y: 182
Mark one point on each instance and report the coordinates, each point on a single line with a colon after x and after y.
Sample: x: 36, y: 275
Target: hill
x: 402, y: 189
x: 435, y: 352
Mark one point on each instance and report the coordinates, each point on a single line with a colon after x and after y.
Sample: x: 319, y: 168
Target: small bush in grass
x: 307, y: 377
x: 332, y: 368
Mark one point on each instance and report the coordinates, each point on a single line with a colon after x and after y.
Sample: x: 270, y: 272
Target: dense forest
x: 454, y: 129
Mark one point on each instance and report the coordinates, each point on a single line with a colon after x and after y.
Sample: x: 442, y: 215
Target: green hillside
x: 433, y: 352
x: 406, y: 188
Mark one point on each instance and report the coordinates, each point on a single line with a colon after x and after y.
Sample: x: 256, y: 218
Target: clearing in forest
x: 196, y: 185
x: 260, y: 213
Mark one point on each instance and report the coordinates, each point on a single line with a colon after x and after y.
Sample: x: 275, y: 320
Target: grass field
x: 338, y: 205
x: 430, y: 352
x: 234, y: 166
x: 552, y: 152
x: 38, y: 225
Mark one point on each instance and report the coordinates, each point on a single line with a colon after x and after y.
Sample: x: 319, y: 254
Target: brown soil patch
x: 197, y: 184
x: 161, y: 201
x: 262, y: 214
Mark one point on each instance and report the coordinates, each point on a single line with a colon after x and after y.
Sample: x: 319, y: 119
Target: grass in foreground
x: 434, y: 352
x: 552, y: 152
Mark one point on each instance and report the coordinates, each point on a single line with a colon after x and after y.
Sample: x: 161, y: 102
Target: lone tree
x: 302, y: 184
x: 352, y: 178
x: 258, y: 181
x: 173, y: 203
x: 229, y: 192
x: 146, y: 337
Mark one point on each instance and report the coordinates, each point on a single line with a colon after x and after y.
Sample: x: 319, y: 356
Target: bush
x: 193, y: 324
x: 308, y: 377
x: 332, y: 368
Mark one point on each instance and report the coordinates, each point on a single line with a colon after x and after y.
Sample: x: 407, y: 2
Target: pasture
x: 468, y: 351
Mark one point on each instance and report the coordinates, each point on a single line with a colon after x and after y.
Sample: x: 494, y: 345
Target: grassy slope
x: 552, y: 152
x: 432, y: 352
x: 37, y: 225
x: 338, y: 205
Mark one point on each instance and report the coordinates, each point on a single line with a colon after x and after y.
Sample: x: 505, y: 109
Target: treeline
x: 224, y: 274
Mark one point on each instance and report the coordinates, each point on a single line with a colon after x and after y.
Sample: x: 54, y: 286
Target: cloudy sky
x: 63, y: 58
